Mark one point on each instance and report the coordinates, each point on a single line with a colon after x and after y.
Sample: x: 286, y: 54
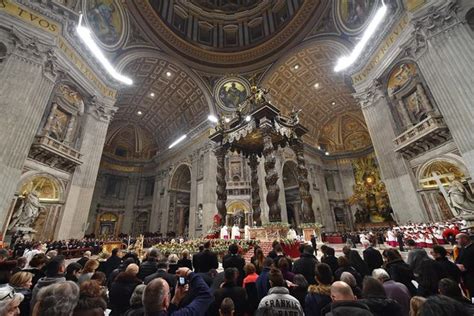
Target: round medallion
x: 354, y: 15
x: 106, y: 19
x: 229, y: 92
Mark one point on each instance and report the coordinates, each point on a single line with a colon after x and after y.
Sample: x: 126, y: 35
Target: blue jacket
x: 202, y: 298
x: 263, y: 284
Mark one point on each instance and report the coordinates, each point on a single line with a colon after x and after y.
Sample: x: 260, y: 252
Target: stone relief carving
x: 460, y: 199
x: 26, y: 214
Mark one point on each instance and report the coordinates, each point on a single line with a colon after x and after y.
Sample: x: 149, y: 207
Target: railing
x: 56, y: 146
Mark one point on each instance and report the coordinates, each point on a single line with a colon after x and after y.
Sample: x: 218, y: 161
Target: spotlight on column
x: 212, y: 118
x: 176, y: 142
x: 248, y: 118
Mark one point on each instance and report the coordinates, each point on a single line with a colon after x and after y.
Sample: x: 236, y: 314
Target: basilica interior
x: 155, y: 116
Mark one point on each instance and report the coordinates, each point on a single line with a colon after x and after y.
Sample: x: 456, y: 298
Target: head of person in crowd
x: 116, y: 252
x: 156, y: 296
x: 366, y: 244
x: 346, y: 250
x: 21, y: 280
x: 349, y: 279
x: 249, y: 269
x: 381, y: 275
x: 100, y: 278
x: 185, y: 254
x: 450, y: 288
x: 391, y: 255
x: 57, y: 299
x: 440, y: 305
x: 463, y: 239
x: 439, y: 252
x: 207, y: 245
x: 268, y: 262
x: 323, y: 274
x: 3, y: 254
x: 231, y: 275
x: 283, y: 264
x: 371, y: 287
x: 415, y: 305
x: 132, y: 269
x: 51, y: 254
x: 9, y: 301
x: 162, y: 264
x: 411, y: 244
x: 21, y: 263
x: 341, y: 291
x: 173, y: 258
x: 233, y: 249
x: 323, y: 249
x: 136, y: 298
x: 201, y: 248
x: 90, y: 301
x: 227, y: 307
x: 103, y: 256
x: 300, y: 281
x: 38, y: 261
x: 343, y: 262
x: 279, y: 250
x: 90, y: 266
x: 55, y: 267
x: 330, y: 251
x: 276, y: 278
x: 87, y: 254
x: 152, y: 254
x: 73, y: 271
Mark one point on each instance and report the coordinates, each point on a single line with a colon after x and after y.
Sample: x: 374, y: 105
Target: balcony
x: 54, y: 154
x: 422, y: 137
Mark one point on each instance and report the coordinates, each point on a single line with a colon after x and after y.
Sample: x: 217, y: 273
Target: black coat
x: 400, y: 271
x: 381, y: 306
x: 373, y: 258
x: 344, y: 308
x: 358, y: 263
x: 111, y: 264
x: 351, y: 270
x: 147, y: 268
x: 330, y: 261
x: 185, y: 263
x: 305, y: 265
x: 235, y: 261
x: 206, y: 261
x: 449, y: 268
x: 236, y: 293
x: 466, y: 258
x: 169, y: 278
x: 121, y: 291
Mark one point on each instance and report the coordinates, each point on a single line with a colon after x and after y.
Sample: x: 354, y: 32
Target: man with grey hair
x: 150, y: 264
x: 57, y: 299
x: 394, y: 290
x: 86, y: 256
x: 344, y: 302
x: 157, y: 297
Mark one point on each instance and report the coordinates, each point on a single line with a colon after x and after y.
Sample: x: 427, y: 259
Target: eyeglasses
x: 9, y: 295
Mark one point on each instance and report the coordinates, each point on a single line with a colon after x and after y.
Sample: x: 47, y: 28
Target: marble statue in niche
x: 199, y: 217
x: 460, y: 199
x: 27, y: 213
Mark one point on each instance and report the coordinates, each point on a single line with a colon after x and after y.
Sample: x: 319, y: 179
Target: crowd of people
x: 378, y: 282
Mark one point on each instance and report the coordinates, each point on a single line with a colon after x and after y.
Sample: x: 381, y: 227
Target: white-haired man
x: 394, y: 290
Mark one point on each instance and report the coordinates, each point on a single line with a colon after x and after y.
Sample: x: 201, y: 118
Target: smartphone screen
x: 182, y: 281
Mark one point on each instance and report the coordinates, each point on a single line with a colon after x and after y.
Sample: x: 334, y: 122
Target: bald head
x: 156, y: 296
x: 341, y: 291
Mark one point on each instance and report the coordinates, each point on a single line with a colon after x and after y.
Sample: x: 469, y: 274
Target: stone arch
x: 31, y: 176
x: 445, y: 166
x: 179, y: 188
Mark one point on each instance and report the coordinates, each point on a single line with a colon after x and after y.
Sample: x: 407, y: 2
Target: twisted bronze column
x: 253, y: 163
x: 271, y: 176
x: 221, y: 182
x: 306, y: 199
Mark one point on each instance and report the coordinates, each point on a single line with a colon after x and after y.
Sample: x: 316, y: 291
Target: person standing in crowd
x: 330, y: 259
x: 21, y: 282
x: 89, y: 269
x: 185, y: 262
x: 416, y: 303
x: 85, y: 257
x: 65, y: 292
x: 234, y: 260
x: 55, y: 269
x: 450, y: 288
x: 207, y: 260
x: 356, y: 261
x: 351, y: 281
x: 73, y: 272
x: 156, y: 297
x: 162, y: 272
x: 91, y: 302
x: 319, y: 294
x: 122, y: 289
x: 398, y: 269
x: 400, y: 241
x: 305, y: 264
x: 263, y: 283
x: 149, y: 264
x: 344, y: 266
x: 450, y: 269
x: 250, y: 274
x: 465, y: 261
x: 375, y: 298
x: 10, y: 302
x: 230, y: 289
x: 416, y: 256
x: 299, y: 289
x: 136, y: 304
x: 37, y: 264
x: 173, y: 263
x: 113, y: 262
x: 227, y: 307
x: 394, y: 290
x: 344, y: 302
x: 440, y: 305
x: 279, y: 300
x: 258, y: 260
x: 372, y: 256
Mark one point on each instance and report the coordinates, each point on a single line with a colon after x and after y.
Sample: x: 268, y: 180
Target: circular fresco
x: 353, y: 15
x: 230, y: 92
x: 106, y: 20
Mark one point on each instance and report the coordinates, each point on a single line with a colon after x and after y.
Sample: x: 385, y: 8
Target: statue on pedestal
x: 27, y: 213
x: 199, y: 217
x: 460, y: 199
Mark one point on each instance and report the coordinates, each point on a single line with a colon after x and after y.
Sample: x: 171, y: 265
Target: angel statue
x: 460, y: 199
x: 28, y: 211
x: 294, y: 119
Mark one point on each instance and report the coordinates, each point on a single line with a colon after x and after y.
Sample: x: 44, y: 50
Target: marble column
x: 193, y: 200
x: 221, y: 190
x: 253, y: 163
x: 271, y: 177
x: 156, y: 218
x: 406, y: 120
x: 209, y: 197
x: 26, y: 86
x: 395, y: 171
x: 306, y: 199
x: 443, y: 46
x: 76, y: 209
x: 131, y: 199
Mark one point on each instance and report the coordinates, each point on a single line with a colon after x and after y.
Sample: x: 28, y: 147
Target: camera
x: 182, y: 281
